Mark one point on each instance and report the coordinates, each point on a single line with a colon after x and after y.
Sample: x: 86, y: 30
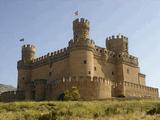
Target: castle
x: 97, y: 72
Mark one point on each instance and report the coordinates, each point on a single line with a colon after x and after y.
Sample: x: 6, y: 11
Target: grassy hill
x: 82, y: 110
x: 4, y: 88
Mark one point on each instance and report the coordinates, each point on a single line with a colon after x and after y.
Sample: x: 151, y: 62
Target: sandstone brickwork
x: 97, y: 72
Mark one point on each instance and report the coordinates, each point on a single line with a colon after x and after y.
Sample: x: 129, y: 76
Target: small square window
x: 50, y: 73
x: 50, y: 65
x: 89, y: 72
x: 112, y: 73
x: 85, y: 62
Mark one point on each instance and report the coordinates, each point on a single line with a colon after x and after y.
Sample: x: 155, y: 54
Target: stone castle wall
x: 102, y: 64
x: 89, y: 87
x: 129, y: 89
x: 52, y: 66
x: 82, y: 57
x: 10, y: 96
x: 141, y: 79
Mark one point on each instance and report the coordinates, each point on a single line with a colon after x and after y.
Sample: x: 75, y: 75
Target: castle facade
x: 97, y: 72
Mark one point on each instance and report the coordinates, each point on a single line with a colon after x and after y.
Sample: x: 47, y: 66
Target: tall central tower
x: 81, y: 29
x: 81, y: 49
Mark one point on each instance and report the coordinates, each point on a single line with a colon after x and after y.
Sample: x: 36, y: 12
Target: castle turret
x: 81, y: 34
x: 28, y: 53
x: 117, y: 43
x: 24, y: 72
x: 81, y: 29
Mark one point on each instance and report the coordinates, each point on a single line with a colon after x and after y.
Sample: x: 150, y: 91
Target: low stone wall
x: 10, y: 96
x: 89, y: 87
x: 40, y: 89
x: 135, y: 90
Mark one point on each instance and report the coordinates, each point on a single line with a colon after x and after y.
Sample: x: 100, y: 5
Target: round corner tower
x: 24, y: 72
x: 117, y: 43
x: 81, y: 49
x: 28, y: 53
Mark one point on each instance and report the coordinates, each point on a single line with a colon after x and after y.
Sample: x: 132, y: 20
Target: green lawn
x: 81, y: 110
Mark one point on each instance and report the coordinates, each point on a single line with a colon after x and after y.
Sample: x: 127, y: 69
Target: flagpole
x: 21, y: 42
x: 76, y: 14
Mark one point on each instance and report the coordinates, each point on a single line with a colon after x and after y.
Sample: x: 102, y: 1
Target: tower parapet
x: 53, y: 56
x: 81, y: 28
x: 126, y: 58
x: 117, y: 43
x: 118, y: 37
x: 76, y: 44
x: 28, y: 53
x: 81, y: 35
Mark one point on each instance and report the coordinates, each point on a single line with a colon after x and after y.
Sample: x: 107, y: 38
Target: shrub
x: 72, y: 94
x: 154, y: 110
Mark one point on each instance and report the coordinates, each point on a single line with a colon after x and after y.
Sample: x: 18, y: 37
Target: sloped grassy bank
x: 81, y: 110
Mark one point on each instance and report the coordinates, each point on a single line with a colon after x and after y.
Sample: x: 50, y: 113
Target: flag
x: 76, y: 13
x: 21, y: 40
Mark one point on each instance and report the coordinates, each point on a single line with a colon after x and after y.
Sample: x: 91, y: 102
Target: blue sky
x: 48, y: 25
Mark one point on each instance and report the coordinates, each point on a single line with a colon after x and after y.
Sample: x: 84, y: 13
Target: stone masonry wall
x: 130, y: 74
x: 98, y: 72
x: 51, y: 71
x: 141, y: 79
x: 90, y: 88
x: 135, y: 90
x: 10, y: 96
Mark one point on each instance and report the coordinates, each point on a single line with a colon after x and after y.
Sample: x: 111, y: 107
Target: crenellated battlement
x: 79, y: 43
x: 81, y: 29
x: 86, y: 78
x: 51, y: 55
x: 117, y: 43
x: 28, y: 46
x: 113, y: 56
x: 96, y: 87
x: 98, y: 72
x: 81, y: 79
x: 137, y: 89
x: 106, y: 54
x: 124, y: 57
x: 118, y: 37
x: 71, y: 79
x: 28, y: 53
x: 81, y: 23
x: 104, y: 51
x: 10, y: 96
